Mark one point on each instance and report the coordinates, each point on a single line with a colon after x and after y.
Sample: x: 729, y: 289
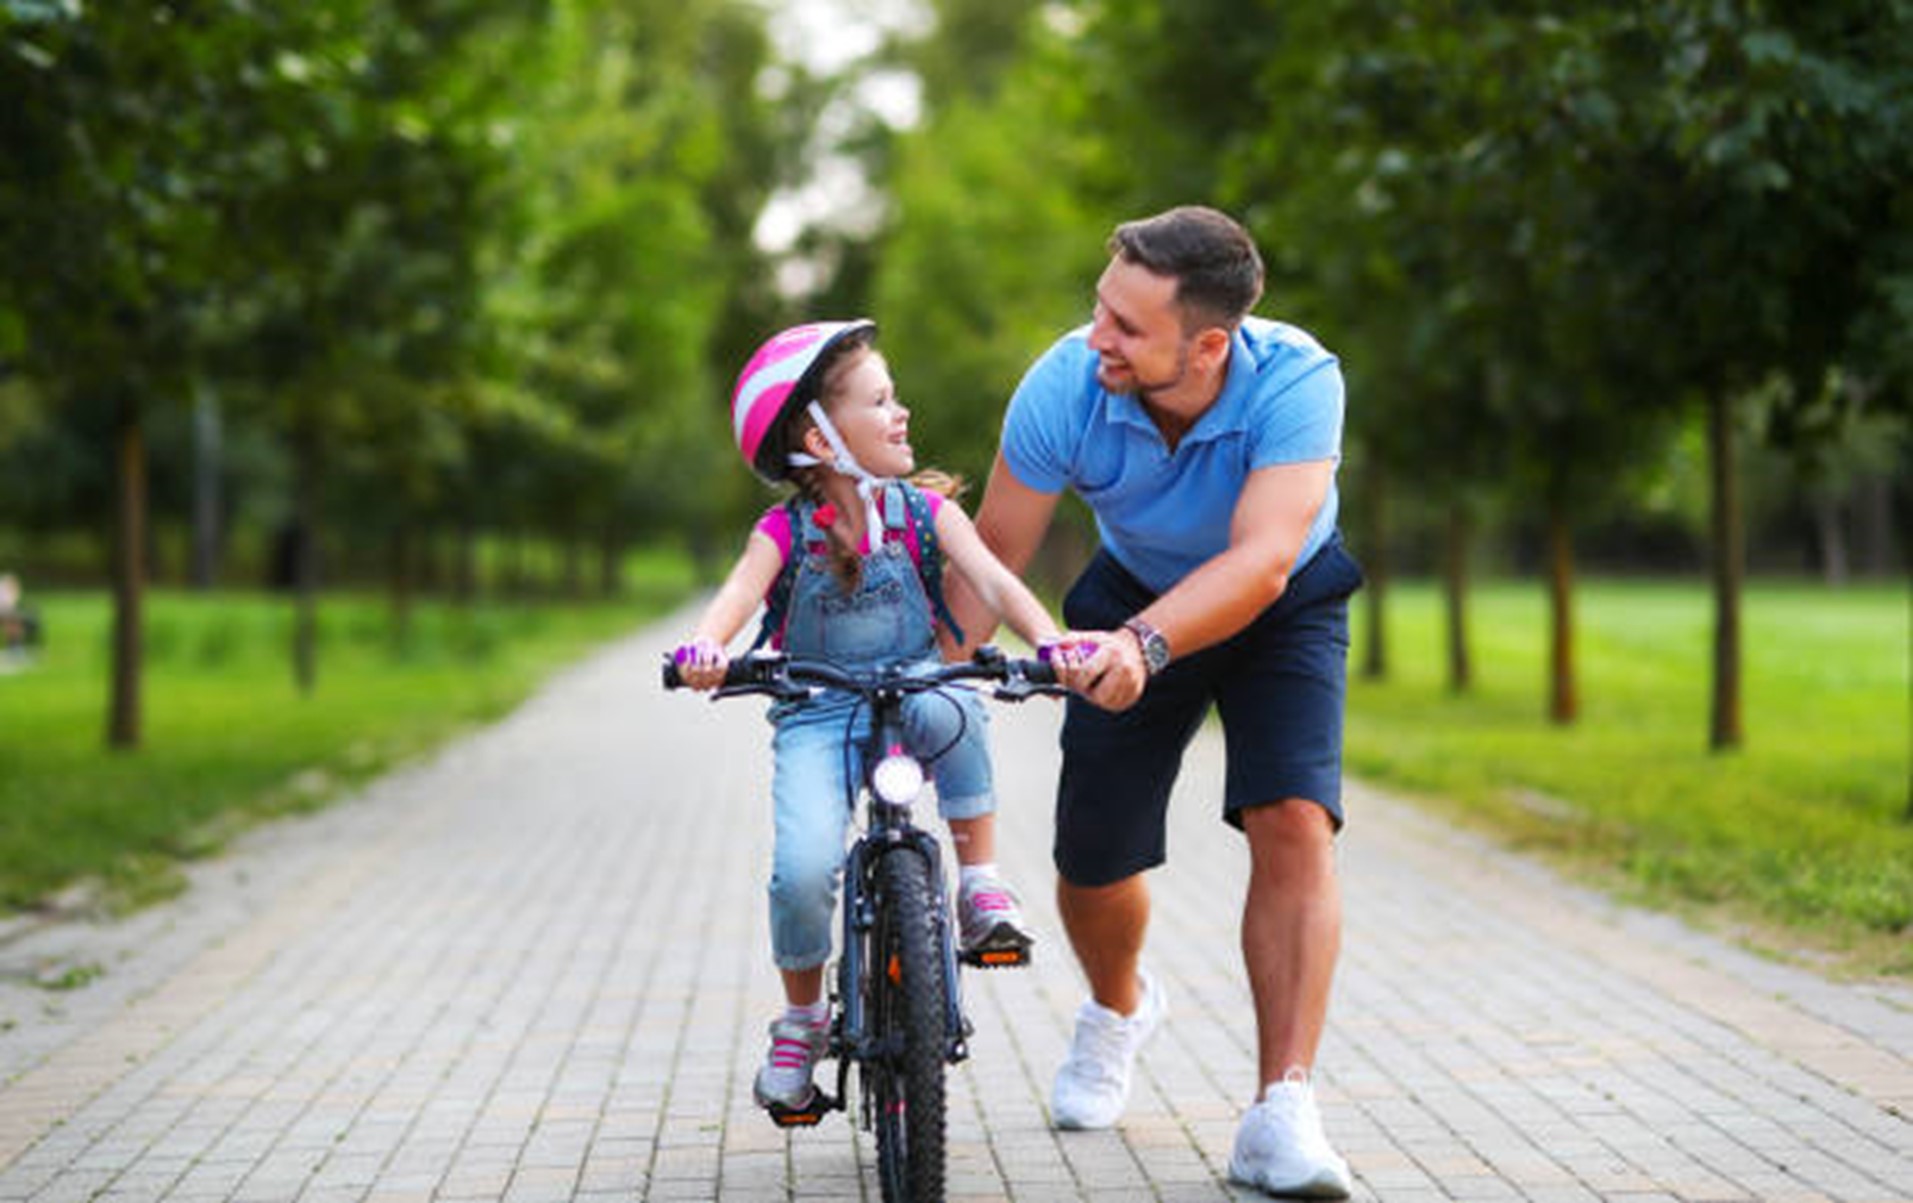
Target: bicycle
x: 898, y: 1011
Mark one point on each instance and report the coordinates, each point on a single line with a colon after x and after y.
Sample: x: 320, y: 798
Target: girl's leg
x: 974, y: 839
x: 806, y: 859
x: 803, y: 987
x: 811, y: 818
x: 954, y: 730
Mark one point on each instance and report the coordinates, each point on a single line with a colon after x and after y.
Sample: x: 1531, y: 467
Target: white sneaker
x: 1092, y: 1087
x: 1282, y: 1148
x: 784, y: 1081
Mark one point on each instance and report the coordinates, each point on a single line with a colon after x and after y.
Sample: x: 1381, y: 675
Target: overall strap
x: 926, y: 550
x: 777, y: 601
x: 929, y: 554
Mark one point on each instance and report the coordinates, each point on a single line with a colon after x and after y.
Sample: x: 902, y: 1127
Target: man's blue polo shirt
x: 1161, y: 514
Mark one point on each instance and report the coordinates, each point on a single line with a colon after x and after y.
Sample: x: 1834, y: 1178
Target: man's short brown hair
x: 1217, y: 270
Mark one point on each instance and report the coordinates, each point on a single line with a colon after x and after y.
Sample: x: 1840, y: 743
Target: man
x: 1205, y: 442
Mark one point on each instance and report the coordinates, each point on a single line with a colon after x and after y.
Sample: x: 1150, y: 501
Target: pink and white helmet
x: 780, y: 379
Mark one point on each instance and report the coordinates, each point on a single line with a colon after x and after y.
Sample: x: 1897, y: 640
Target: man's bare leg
x: 1106, y: 926
x: 1291, y: 931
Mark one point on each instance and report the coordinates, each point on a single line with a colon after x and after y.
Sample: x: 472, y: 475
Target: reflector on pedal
x: 808, y: 1116
x: 1007, y: 957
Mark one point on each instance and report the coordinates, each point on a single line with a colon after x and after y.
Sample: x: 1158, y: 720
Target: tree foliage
x: 450, y: 268
x: 459, y: 255
x: 1540, y: 237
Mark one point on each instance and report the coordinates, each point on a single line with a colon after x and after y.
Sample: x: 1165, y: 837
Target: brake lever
x: 1019, y: 688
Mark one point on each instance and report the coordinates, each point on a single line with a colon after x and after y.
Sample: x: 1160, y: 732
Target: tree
x: 118, y: 128
x: 1748, y: 187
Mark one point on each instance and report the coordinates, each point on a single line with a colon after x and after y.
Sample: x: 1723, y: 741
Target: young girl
x: 815, y: 406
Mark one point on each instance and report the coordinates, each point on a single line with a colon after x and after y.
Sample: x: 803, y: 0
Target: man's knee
x: 1288, y: 825
x: 1099, y: 891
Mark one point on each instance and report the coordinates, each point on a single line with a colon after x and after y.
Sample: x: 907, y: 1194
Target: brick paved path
x: 536, y: 968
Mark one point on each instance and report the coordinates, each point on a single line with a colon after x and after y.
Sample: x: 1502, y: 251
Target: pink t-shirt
x: 776, y: 524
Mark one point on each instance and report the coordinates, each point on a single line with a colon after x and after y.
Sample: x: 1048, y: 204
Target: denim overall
x: 884, y: 621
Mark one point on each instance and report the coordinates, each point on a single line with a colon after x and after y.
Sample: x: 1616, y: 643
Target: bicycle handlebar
x: 781, y: 676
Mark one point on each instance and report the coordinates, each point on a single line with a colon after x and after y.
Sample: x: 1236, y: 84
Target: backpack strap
x: 923, y: 527
x: 777, y: 601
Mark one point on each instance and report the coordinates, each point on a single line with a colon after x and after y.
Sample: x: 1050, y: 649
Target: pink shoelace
x: 787, y: 1053
x: 990, y: 901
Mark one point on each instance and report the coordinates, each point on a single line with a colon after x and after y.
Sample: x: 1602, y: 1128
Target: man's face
x: 1137, y: 331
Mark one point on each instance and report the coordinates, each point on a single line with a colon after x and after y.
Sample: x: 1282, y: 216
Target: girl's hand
x: 701, y: 663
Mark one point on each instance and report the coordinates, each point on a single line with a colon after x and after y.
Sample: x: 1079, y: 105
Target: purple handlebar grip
x: 1047, y: 652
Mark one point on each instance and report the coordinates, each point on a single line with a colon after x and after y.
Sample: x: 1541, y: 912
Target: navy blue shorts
x: 1280, y: 686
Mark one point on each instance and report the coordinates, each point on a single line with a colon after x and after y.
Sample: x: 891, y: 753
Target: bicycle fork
x: 860, y: 916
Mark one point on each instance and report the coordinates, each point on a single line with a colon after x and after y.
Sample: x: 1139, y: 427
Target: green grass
x: 1801, y: 838
x: 228, y: 738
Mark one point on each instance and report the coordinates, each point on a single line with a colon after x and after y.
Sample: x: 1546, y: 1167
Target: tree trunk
x: 400, y: 569
x: 305, y: 623
x: 1904, y: 525
x: 465, y: 562
x: 516, y: 573
x: 1728, y: 569
x: 1564, y: 704
x: 1455, y: 581
x: 610, y: 565
x: 206, y: 499
x: 1830, y: 533
x: 1876, y: 526
x: 1375, y: 569
x: 574, y: 572
x: 123, y: 724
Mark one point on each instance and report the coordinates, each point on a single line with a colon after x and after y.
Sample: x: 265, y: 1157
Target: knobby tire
x: 907, y: 1011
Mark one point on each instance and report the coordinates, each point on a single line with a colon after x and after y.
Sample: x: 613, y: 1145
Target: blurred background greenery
x: 438, y: 302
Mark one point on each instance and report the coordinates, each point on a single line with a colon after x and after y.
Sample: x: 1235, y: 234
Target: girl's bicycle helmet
x: 780, y: 380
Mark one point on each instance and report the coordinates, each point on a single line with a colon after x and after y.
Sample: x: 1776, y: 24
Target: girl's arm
x: 735, y: 601
x: 999, y: 588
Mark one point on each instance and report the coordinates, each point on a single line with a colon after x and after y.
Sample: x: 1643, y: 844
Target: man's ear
x: 1212, y: 348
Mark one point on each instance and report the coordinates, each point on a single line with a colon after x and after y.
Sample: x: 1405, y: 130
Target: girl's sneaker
x: 784, y: 1084
x: 990, y: 923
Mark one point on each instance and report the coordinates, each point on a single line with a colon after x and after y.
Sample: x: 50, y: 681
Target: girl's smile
x: 874, y: 424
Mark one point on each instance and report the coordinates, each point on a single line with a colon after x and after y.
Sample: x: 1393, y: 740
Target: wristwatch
x: 1155, y: 649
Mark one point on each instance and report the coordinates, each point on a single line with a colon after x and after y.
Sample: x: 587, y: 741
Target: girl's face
x: 875, y: 426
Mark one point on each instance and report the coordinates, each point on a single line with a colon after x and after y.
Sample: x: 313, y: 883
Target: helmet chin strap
x: 846, y: 463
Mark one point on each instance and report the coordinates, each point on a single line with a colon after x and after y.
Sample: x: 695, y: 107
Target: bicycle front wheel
x: 907, y: 1018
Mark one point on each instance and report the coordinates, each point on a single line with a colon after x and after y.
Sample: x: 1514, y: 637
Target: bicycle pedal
x: 808, y: 1116
x: 1004, y: 956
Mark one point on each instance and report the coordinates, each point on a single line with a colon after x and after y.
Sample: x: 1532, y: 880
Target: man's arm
x: 1012, y: 520
x: 1271, y: 522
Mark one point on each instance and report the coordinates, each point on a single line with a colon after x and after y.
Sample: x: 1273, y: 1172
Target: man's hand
x: 1115, y: 677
